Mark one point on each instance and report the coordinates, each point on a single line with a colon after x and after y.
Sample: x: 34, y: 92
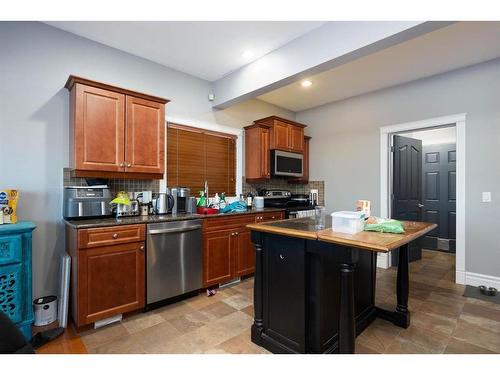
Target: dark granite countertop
x: 112, y: 221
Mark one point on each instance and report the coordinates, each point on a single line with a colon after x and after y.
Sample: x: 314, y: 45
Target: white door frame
x: 385, y: 133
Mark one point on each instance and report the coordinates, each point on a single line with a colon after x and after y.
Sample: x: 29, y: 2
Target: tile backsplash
x: 115, y: 184
x: 281, y: 183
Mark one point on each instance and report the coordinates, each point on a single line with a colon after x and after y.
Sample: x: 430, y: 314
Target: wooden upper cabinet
x: 257, y: 158
x: 145, y: 137
x: 286, y: 135
x: 264, y: 135
x: 296, y: 138
x: 99, y: 129
x: 280, y: 138
x: 115, y: 132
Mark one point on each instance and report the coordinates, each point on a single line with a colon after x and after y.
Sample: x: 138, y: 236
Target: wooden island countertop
x: 373, y: 241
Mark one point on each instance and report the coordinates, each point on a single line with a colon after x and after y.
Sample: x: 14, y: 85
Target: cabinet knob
x: 129, y: 165
x: 141, y: 248
x: 115, y: 235
x: 122, y: 164
x: 272, y: 217
x: 282, y: 256
x: 236, y: 233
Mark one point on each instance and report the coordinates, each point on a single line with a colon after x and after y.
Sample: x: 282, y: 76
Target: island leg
x: 401, y: 316
x: 347, y: 325
x: 403, y: 285
x: 258, y: 325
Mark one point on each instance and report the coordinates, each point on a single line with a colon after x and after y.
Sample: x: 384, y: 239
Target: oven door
x: 288, y: 164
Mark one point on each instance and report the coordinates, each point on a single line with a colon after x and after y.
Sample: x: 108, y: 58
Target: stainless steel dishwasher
x: 174, y: 259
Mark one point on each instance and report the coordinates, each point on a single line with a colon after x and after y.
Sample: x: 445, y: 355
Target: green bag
x: 385, y: 226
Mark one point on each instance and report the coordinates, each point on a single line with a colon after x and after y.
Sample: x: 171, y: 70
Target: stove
x: 295, y: 205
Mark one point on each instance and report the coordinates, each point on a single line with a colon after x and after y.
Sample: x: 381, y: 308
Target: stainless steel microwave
x: 287, y: 164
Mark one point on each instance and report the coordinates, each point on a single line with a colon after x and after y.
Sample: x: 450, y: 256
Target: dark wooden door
x: 111, y: 281
x: 218, y: 253
x: 439, y: 195
x: 99, y: 126
x: 145, y: 136
x: 407, y: 186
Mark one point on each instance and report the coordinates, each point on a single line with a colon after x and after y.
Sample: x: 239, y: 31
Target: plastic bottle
x: 201, y: 202
x: 222, y: 201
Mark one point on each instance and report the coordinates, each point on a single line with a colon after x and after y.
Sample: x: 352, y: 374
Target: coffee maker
x: 181, y: 198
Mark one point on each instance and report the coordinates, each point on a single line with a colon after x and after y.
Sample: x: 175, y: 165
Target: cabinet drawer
x: 269, y: 216
x: 232, y: 221
x: 110, y: 235
x: 10, y: 249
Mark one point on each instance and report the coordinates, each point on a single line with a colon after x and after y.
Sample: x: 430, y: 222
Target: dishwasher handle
x: 176, y: 230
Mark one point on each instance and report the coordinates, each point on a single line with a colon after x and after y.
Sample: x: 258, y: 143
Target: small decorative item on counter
x: 216, y: 200
x: 222, y: 201
x: 122, y: 198
x: 249, y: 200
x: 8, y: 206
x: 378, y: 224
x: 364, y: 206
x: 202, y: 200
x: 145, y: 209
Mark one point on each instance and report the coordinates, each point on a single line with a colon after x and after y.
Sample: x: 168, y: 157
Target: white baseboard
x: 460, y: 277
x: 383, y: 260
x: 476, y: 279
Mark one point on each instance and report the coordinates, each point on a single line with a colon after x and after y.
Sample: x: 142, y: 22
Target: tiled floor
x: 442, y: 321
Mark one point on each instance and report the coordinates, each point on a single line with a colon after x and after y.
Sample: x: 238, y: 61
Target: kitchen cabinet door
x: 284, y: 298
x: 110, y: 281
x: 145, y: 136
x: 280, y: 138
x: 98, y: 127
x: 218, y: 253
x: 245, y: 254
x: 296, y: 138
x: 257, y: 149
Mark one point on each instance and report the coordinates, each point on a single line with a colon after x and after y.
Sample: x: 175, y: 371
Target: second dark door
x: 439, y: 194
x: 407, y: 187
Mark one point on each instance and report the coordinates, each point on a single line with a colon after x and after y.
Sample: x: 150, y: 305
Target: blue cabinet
x: 15, y: 274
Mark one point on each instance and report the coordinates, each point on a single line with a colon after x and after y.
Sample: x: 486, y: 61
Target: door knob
x: 282, y: 256
x: 420, y: 205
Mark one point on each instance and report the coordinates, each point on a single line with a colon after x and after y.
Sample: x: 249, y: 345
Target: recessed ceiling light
x: 247, y: 54
x: 306, y: 83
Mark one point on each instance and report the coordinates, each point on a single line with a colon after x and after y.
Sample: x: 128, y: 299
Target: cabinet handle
x: 141, y: 248
x: 282, y: 257
x: 115, y: 235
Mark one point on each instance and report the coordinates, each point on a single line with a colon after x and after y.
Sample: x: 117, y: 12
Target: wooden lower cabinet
x: 107, y: 279
x: 218, y: 256
x: 111, y: 281
x: 228, y: 251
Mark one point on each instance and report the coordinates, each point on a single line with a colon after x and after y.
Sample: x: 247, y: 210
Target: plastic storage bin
x: 348, y: 221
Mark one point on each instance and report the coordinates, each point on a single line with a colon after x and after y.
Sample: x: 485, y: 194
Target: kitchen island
x: 314, y: 290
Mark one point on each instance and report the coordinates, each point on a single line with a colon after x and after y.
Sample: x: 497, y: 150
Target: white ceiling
x: 207, y: 50
x: 459, y: 45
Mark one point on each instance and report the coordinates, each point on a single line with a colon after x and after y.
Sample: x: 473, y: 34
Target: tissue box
x: 348, y: 221
x: 8, y: 205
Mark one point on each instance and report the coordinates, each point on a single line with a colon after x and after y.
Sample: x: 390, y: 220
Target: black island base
x: 315, y: 296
